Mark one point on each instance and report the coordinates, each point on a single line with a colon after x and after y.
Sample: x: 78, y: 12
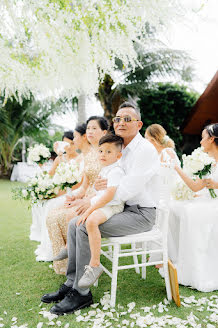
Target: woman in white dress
x: 157, y: 135
x: 40, y: 210
x: 196, y: 222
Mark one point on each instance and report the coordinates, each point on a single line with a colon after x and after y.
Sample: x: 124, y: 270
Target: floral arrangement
x: 67, y: 174
x: 39, y: 153
x: 78, y: 40
x: 199, y: 164
x: 41, y: 187
x: 182, y: 192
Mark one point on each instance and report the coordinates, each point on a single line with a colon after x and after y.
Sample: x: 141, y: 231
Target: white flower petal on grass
x: 210, y: 326
x: 51, y: 323
x: 125, y: 322
x: 1, y: 319
x: 5, y: 312
x: 185, y: 305
x: 48, y: 315
x: 200, y: 309
x: 94, y: 305
x: 131, y: 306
x: 39, y: 325
x: 14, y: 319
x: 146, y: 309
x: 1, y: 325
x: 77, y: 312
x: 67, y: 325
x: 80, y: 318
x: 17, y: 293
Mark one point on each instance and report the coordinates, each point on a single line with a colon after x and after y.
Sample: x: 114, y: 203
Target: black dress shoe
x: 56, y: 296
x: 73, y: 301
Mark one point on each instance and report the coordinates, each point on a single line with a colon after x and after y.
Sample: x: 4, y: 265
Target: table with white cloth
x: 23, y: 172
x: 193, y: 242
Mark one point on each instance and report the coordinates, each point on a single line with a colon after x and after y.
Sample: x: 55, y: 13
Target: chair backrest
x: 162, y: 216
x: 166, y: 175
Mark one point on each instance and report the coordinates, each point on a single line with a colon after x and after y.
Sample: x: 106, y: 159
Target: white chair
x: 158, y: 235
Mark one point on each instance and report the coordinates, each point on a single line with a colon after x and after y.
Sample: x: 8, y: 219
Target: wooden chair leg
x: 114, y: 274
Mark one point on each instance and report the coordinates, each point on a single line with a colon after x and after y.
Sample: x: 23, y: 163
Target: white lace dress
x: 195, y: 239
x: 39, y: 231
x: 168, y: 178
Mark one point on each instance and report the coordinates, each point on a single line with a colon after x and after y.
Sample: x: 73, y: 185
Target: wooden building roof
x: 205, y: 110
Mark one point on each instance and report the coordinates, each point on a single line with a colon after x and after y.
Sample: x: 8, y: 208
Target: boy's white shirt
x: 113, y: 173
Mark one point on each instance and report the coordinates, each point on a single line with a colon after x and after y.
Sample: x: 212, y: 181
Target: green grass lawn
x: 23, y: 280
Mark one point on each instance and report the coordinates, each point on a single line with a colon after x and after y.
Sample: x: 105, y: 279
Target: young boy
x: 104, y: 205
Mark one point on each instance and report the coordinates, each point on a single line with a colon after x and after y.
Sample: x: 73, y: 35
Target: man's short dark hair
x: 127, y: 104
x: 113, y: 139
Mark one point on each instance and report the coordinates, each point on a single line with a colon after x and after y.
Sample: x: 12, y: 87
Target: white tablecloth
x: 23, y: 172
x: 193, y: 242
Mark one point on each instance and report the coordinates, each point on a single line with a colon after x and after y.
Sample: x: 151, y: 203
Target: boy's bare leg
x: 92, y: 227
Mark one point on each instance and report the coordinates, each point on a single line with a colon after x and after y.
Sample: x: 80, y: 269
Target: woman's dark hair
x: 68, y: 135
x: 212, y: 130
x: 102, y: 122
x: 81, y: 129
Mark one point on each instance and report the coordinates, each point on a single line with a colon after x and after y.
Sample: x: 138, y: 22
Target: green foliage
x: 30, y: 119
x: 167, y: 104
x: 156, y: 63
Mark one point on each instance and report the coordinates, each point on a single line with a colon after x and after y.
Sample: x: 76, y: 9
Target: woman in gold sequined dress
x: 77, y: 204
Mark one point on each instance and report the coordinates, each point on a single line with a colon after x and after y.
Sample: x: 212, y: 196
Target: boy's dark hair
x: 113, y: 139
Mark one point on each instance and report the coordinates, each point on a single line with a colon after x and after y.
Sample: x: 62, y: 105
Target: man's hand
x: 83, y: 217
x: 100, y: 184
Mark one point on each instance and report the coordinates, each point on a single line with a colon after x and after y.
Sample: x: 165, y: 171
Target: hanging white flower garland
x: 65, y: 47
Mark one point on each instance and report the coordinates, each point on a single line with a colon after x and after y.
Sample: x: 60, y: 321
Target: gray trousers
x: 134, y: 219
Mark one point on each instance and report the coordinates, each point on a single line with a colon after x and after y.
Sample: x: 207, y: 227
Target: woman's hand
x: 100, y: 184
x: 210, y: 184
x: 83, y: 217
x: 69, y: 200
x: 81, y: 205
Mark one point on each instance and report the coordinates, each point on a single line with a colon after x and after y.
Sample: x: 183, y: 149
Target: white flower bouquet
x: 41, y: 187
x: 182, y: 192
x: 67, y: 174
x: 199, y: 164
x: 39, y: 153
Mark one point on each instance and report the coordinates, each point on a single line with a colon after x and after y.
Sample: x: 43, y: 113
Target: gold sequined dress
x: 56, y: 219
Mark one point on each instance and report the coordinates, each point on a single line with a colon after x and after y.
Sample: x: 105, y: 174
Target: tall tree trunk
x: 82, y: 109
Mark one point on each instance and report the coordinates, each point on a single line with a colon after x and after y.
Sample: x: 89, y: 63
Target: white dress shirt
x: 141, y: 164
x: 114, y: 174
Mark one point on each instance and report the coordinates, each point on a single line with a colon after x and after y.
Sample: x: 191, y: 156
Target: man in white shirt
x: 139, y: 189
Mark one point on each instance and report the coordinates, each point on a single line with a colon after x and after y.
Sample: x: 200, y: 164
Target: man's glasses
x: 125, y: 119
